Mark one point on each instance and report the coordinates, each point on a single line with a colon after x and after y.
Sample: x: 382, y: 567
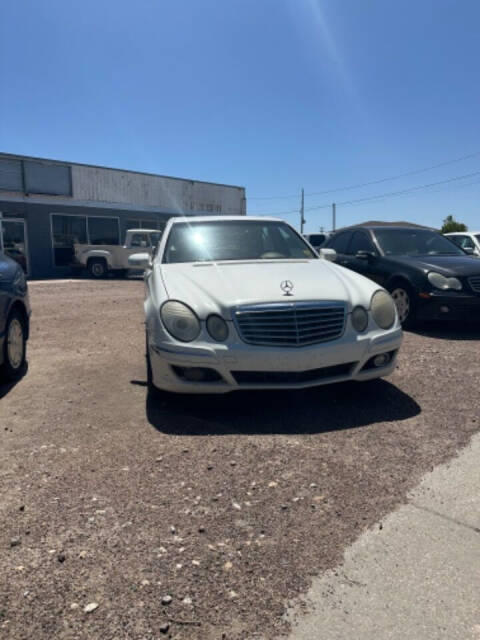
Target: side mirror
x: 366, y: 255
x: 139, y: 261
x: 328, y: 254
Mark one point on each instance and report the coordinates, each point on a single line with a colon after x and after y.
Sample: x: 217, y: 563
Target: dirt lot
x: 227, y: 504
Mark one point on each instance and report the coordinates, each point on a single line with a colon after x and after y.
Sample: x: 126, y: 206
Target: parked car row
x: 247, y: 303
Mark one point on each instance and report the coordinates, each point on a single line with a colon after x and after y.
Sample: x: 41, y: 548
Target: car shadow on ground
x: 329, y: 408
x: 449, y: 330
x: 6, y: 387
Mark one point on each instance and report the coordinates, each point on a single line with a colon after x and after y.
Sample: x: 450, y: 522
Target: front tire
x: 404, y: 299
x: 97, y: 268
x: 14, y: 347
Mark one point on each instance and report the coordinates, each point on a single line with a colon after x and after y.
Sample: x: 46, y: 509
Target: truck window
x: 140, y: 240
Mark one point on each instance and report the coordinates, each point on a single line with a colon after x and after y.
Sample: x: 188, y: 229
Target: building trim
x: 94, y: 204
x: 97, y: 166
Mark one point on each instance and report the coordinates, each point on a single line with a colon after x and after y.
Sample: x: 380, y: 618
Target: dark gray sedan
x: 14, y: 318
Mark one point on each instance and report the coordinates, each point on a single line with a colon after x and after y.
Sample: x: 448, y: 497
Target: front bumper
x: 243, y: 366
x: 450, y: 306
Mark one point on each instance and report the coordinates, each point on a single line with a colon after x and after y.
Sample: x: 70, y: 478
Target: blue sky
x: 270, y: 94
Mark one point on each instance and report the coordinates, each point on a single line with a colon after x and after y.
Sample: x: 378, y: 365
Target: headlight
x: 383, y: 309
x: 441, y: 282
x: 20, y: 280
x: 217, y: 328
x: 359, y: 319
x: 180, y: 321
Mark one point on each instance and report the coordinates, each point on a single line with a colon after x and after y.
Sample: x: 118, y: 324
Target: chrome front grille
x: 474, y: 282
x: 293, y: 324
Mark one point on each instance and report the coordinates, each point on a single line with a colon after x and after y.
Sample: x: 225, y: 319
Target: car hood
x: 217, y: 287
x: 446, y: 265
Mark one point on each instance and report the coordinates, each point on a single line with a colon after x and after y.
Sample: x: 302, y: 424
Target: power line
x: 372, y: 182
x: 395, y: 193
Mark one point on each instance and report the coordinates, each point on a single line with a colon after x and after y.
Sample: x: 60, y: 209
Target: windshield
x: 414, y: 242
x: 478, y: 237
x: 234, y: 240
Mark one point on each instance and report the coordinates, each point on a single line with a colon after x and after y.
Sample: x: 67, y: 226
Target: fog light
x: 194, y: 375
x: 197, y: 374
x: 381, y: 360
x: 444, y: 309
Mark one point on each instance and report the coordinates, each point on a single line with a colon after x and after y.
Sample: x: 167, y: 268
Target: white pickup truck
x: 100, y: 259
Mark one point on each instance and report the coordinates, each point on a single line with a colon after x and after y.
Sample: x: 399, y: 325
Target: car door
x: 369, y: 264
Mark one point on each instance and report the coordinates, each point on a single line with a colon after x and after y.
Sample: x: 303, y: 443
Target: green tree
x: 450, y: 225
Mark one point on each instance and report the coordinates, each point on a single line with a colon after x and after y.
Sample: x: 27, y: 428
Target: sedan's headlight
x: 383, y: 309
x: 180, y: 321
x: 441, y: 282
x: 217, y: 328
x: 359, y: 319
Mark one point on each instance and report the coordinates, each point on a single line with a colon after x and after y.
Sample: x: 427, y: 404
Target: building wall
x: 143, y: 190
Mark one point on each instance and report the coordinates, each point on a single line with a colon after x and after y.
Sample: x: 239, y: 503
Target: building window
x: 209, y: 208
x: 52, y: 179
x: 66, y: 232
x: 103, y: 230
x: 218, y: 208
x: 11, y: 175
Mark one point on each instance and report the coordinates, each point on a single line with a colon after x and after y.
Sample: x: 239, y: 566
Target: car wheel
x: 97, y: 268
x: 403, y: 297
x: 14, y: 346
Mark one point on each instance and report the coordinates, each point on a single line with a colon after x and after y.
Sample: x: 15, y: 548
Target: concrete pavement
x: 416, y: 575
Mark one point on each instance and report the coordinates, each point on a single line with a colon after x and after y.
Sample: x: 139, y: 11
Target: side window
x: 360, y: 242
x: 467, y: 243
x: 340, y: 242
x: 316, y: 239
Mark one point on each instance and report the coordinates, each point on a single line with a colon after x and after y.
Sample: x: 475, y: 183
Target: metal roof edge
x: 15, y: 156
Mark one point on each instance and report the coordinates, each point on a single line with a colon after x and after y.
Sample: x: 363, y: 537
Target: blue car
x: 14, y: 319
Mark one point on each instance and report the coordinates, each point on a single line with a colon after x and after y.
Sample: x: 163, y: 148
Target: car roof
x: 379, y: 227
x: 143, y: 230
x: 178, y: 219
x: 462, y: 233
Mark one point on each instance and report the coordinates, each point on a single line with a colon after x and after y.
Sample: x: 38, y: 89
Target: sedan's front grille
x: 474, y: 282
x: 293, y: 324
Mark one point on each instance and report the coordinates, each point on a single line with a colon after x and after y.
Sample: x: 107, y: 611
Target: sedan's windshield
x: 234, y: 240
x: 414, y: 242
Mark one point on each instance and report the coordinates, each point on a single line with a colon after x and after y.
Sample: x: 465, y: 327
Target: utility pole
x: 334, y: 216
x: 302, y: 210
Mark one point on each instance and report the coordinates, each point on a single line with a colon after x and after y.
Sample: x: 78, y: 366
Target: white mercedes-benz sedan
x: 246, y: 303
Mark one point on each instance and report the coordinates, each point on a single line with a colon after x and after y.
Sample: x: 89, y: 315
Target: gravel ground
x: 208, y: 514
